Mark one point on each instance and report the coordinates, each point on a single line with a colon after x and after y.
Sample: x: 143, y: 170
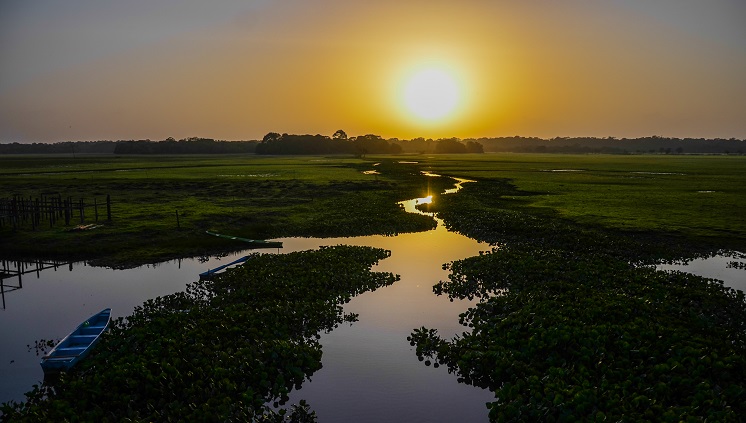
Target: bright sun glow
x: 431, y: 94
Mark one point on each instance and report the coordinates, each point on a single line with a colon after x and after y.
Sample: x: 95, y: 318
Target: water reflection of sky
x: 715, y: 267
x: 371, y: 373
x: 51, y: 305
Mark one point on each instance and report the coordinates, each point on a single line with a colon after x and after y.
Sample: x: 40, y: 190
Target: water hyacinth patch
x: 225, y: 349
x: 569, y: 328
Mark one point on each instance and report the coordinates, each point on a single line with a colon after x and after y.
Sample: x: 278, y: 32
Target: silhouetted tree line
x: 67, y: 147
x: 168, y: 146
x: 274, y: 143
x: 441, y: 145
x: 192, y: 145
x: 340, y: 143
x: 653, y: 144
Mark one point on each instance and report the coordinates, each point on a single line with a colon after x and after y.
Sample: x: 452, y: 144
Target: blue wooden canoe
x: 210, y: 273
x: 77, y: 344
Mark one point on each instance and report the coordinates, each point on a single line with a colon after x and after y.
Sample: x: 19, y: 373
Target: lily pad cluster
x: 569, y: 327
x: 227, y: 349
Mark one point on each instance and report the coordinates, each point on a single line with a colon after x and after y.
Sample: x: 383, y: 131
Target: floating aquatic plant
x: 224, y: 349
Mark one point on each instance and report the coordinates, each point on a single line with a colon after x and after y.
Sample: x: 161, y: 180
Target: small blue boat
x: 210, y: 273
x: 77, y: 344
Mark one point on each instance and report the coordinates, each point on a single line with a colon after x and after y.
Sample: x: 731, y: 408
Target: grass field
x: 694, y: 196
x: 248, y: 196
x: 265, y: 197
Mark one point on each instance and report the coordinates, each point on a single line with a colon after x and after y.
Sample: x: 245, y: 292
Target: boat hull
x: 78, y: 344
x: 254, y: 243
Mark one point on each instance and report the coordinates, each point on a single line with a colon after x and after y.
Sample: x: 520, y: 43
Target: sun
x: 431, y: 94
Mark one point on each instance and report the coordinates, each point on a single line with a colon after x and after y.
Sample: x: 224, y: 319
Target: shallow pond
x: 370, y: 372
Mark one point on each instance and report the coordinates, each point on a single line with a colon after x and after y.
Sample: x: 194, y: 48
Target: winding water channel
x: 370, y: 372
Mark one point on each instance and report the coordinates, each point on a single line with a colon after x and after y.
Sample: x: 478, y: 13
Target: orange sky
x: 88, y: 70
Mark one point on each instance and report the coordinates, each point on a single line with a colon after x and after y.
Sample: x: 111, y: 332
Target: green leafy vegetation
x: 226, y: 349
x: 560, y: 336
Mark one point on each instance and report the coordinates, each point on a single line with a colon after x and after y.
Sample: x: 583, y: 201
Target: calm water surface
x: 371, y: 373
x: 716, y: 267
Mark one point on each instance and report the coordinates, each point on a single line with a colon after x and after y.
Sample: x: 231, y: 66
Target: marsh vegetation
x: 570, y: 325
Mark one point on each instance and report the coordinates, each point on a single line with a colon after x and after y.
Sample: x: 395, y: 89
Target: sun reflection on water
x: 425, y: 200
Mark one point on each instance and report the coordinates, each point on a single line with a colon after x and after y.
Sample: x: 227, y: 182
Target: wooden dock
x: 15, y: 269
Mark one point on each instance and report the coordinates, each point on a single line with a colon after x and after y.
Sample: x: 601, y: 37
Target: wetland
x: 562, y: 316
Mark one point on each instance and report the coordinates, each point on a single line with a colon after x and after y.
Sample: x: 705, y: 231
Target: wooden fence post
x: 19, y: 211
x: 14, y: 213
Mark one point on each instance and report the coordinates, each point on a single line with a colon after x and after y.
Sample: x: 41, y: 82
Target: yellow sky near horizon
x: 540, y: 69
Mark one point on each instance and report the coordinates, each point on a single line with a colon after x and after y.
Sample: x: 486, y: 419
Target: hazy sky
x: 135, y: 69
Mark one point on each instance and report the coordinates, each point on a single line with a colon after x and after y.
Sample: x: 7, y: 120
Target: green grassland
x: 690, y: 196
x: 697, y: 197
x: 247, y: 196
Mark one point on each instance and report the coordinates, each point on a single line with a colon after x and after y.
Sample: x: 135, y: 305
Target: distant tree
x: 373, y: 144
x: 449, y: 145
x: 340, y: 135
x: 302, y: 144
x: 272, y: 136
